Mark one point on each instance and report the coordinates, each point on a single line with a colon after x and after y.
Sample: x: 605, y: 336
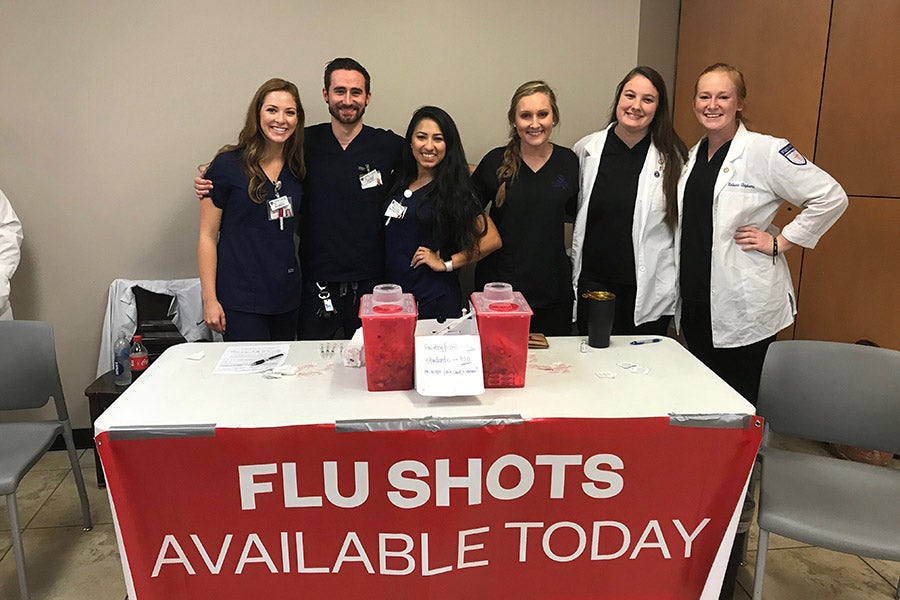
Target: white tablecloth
x: 560, y: 382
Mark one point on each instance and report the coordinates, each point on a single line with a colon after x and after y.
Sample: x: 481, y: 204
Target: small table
x: 101, y: 394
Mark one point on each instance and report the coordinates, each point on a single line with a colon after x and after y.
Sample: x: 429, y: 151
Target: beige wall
x: 106, y: 108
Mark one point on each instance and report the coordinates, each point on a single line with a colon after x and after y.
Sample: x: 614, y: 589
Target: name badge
x: 280, y: 208
x: 370, y: 180
x: 395, y: 210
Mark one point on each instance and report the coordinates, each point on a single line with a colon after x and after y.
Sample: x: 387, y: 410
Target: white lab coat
x: 750, y: 298
x: 121, y: 313
x: 10, y: 253
x: 652, y: 240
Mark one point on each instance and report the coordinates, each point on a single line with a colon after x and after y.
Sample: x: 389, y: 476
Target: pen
x: 641, y: 342
x: 262, y: 360
x: 453, y: 324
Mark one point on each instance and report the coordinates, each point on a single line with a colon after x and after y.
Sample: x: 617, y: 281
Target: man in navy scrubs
x: 348, y: 174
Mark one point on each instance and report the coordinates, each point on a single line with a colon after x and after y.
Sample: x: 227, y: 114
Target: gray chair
x: 30, y: 378
x: 830, y: 392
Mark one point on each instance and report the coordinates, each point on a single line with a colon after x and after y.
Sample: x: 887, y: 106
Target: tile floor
x: 66, y: 563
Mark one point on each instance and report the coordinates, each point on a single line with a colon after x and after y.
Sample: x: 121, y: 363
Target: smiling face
x: 534, y: 119
x: 428, y: 145
x: 278, y: 116
x: 717, y: 103
x: 346, y: 96
x: 636, y: 105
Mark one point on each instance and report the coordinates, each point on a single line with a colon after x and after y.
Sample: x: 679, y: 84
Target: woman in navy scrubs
x: 435, y: 223
x: 249, y: 275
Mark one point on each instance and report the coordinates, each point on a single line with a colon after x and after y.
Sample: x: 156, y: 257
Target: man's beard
x: 335, y: 111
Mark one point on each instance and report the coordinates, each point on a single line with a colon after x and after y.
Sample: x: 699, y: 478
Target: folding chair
x: 30, y: 378
x: 830, y: 392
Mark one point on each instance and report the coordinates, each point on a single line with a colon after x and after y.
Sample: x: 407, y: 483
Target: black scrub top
x: 697, y: 224
x: 608, y: 254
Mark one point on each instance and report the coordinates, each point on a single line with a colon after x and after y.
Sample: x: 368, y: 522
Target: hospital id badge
x: 370, y: 180
x: 395, y: 210
x: 280, y: 208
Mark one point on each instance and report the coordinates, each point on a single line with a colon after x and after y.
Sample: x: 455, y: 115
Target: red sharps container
x: 503, y: 318
x: 389, y: 329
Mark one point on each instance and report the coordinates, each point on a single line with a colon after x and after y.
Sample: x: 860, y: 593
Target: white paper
x: 237, y: 360
x: 448, y: 364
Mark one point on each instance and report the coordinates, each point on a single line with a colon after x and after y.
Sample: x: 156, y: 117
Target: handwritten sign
x: 448, y: 364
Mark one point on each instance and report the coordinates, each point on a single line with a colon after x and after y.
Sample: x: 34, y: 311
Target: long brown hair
x: 662, y: 133
x: 512, y: 155
x: 252, y: 141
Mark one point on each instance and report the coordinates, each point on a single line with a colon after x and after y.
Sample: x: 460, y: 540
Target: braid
x: 512, y: 159
x: 512, y: 154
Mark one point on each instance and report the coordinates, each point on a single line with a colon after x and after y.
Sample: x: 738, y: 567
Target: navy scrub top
x: 257, y: 269
x: 342, y: 227
x: 437, y: 293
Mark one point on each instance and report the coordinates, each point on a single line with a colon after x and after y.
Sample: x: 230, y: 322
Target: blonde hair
x: 512, y: 155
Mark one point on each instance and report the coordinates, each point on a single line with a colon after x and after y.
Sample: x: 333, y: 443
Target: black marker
x: 256, y: 363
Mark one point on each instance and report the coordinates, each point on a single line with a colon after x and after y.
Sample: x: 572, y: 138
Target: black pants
x: 623, y: 323
x: 740, y: 367
x: 253, y: 327
x: 553, y: 320
x: 316, y: 325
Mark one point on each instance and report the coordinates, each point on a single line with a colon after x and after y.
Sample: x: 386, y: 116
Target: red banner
x: 555, y: 508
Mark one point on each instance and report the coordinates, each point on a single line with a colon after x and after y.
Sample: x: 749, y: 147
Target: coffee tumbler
x: 601, y: 312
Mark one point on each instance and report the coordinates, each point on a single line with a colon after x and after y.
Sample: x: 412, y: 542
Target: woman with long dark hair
x: 435, y: 223
x: 249, y: 276
x: 628, y: 208
x: 531, y: 185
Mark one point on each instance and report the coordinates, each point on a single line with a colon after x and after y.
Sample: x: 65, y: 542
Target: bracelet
x: 448, y: 265
x: 774, y: 248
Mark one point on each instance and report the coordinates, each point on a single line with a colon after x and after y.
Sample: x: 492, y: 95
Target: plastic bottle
x: 122, y: 359
x: 139, y: 359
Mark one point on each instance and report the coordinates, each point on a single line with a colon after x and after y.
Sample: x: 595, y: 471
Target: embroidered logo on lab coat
x: 793, y: 155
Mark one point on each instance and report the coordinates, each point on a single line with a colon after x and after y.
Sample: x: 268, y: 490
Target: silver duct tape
x: 427, y: 423
x: 712, y: 421
x: 147, y: 432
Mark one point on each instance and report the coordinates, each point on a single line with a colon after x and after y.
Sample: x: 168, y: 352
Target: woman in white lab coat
x: 10, y: 244
x: 623, y: 241
x: 735, y: 288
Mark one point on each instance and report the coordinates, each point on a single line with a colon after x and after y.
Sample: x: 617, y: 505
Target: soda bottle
x: 138, y: 358
x: 122, y: 359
